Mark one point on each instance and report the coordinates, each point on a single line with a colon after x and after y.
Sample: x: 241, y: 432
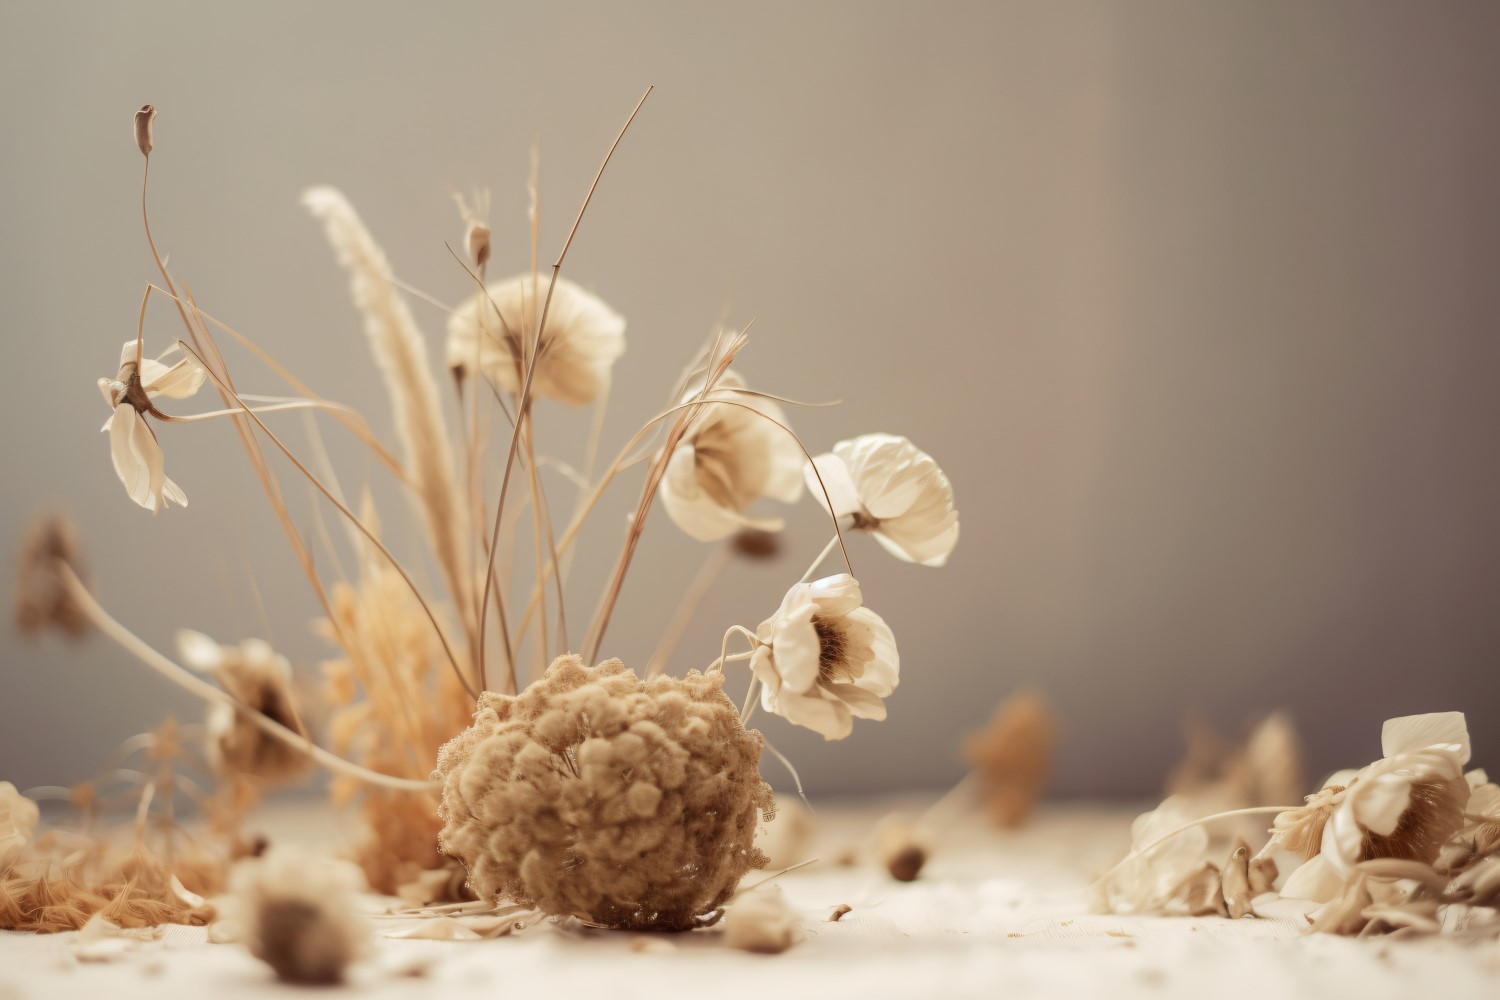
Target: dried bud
x: 752, y: 543
x: 298, y: 915
x: 143, y: 120
x: 1234, y: 882
x: 43, y: 600
x: 479, y: 243
x: 901, y: 849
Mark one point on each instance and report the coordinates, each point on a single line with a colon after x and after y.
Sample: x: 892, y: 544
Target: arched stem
x: 197, y: 686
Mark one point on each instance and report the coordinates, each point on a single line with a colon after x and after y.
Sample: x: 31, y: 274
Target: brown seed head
x: 43, y: 600
x: 479, y: 243
x: 143, y: 119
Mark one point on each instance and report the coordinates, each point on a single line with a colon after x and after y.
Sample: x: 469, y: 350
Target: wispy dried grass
x: 401, y: 355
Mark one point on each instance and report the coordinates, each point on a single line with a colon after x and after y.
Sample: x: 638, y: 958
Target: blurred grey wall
x: 1195, y: 303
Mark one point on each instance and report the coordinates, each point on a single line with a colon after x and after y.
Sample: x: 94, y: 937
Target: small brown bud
x: 143, y: 119
x: 902, y: 850
x: 479, y: 243
x: 753, y: 543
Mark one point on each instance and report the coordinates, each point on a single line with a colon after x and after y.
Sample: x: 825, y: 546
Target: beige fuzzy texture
x: 1012, y: 757
x: 298, y: 914
x: 762, y: 921
x: 626, y: 803
x: 401, y: 354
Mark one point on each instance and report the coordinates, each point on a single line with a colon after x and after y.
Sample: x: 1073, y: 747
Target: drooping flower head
x: 259, y: 677
x: 824, y: 658
x: 583, y: 339
x: 1405, y: 805
x: 889, y: 487
x: 133, y: 446
x: 732, y: 457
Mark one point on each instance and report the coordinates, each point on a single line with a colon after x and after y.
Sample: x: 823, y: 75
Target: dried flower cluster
x: 626, y: 803
x: 1409, y: 843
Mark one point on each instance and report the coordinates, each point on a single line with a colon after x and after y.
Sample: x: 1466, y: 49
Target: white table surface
x: 993, y: 915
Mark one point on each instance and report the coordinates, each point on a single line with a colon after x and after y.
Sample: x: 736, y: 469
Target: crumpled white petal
x: 585, y: 338
x: 823, y: 659
x: 138, y: 461
x: 1444, y: 732
x: 734, y: 455
x: 133, y: 447
x: 892, y: 489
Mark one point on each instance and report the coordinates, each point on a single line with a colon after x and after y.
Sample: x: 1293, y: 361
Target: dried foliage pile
x: 1408, y: 844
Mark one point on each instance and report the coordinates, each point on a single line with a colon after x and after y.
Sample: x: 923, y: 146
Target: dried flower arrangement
x: 621, y: 799
x: 1409, y: 843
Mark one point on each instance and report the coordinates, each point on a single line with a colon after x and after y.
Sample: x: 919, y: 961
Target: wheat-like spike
x: 401, y: 354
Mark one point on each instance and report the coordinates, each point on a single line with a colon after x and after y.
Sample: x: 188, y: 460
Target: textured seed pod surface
x: 627, y: 803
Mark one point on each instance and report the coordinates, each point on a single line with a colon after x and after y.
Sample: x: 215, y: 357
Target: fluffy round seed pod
x: 626, y: 803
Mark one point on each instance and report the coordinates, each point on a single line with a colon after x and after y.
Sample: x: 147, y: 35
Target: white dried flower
x: 1405, y: 805
x: 298, y: 914
x: 889, y: 487
x: 260, y: 678
x: 1169, y: 872
x: 132, y: 444
x: 824, y: 659
x: 732, y: 457
x: 583, y: 339
x: 762, y: 921
x: 18, y: 819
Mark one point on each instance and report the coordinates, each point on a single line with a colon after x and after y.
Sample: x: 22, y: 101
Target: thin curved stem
x: 601, y: 623
x: 197, y: 686
x: 687, y: 606
x: 353, y: 519
x: 1251, y: 811
x: 822, y: 556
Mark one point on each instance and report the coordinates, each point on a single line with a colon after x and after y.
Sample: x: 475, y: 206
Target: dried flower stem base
x: 626, y: 803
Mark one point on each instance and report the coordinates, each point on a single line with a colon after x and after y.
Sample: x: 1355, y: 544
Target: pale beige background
x: 1196, y: 303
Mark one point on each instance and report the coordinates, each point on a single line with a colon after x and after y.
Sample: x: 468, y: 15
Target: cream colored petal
x: 860, y: 702
x: 129, y: 454
x: 127, y: 352
x: 108, y: 388
x: 693, y: 510
x: 923, y: 536
x: 836, y: 480
x: 882, y: 672
x: 177, y: 382
x: 156, y: 465
x: 763, y: 666
x: 170, y: 491
x: 1447, y: 731
x: 1314, y: 879
x: 835, y: 595
x: 827, y: 716
x: 797, y: 648
x: 199, y: 651
x: 1378, y: 802
x: 889, y: 472
x: 585, y: 337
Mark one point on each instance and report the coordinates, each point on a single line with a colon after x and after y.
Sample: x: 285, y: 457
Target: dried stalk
x: 349, y: 514
x: 524, y: 402
x: 196, y: 685
x: 401, y: 356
